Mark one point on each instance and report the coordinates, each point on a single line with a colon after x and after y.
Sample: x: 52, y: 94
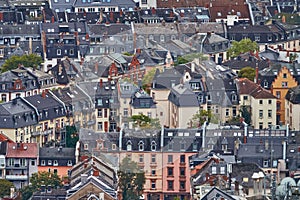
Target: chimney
x: 44, y: 94
x: 153, y: 11
x: 87, y: 36
x: 111, y: 16
x: 52, y: 19
x: 101, y: 83
x: 96, y: 173
x: 96, y: 67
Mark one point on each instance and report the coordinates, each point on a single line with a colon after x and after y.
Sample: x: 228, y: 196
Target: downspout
x: 245, y: 131
x: 203, y: 134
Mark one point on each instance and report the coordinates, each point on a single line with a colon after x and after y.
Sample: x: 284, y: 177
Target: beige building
x: 183, y: 105
x: 259, y: 102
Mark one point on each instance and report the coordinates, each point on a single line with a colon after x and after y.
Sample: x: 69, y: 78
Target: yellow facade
x: 280, y: 86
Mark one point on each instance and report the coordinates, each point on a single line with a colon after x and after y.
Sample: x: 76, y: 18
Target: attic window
x: 153, y: 146
x: 219, y: 14
x: 141, y: 146
x: 129, y: 146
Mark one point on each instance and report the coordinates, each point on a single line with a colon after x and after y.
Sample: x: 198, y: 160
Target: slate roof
x: 55, y: 194
x: 22, y: 150
x: 127, y: 89
x: 104, y: 30
x: 49, y: 103
x: 16, y: 114
x: 240, y: 171
x: 293, y: 95
x: 217, y: 193
x: 240, y: 62
x: 51, y: 152
x: 182, y: 96
x: 141, y: 99
x: 165, y: 79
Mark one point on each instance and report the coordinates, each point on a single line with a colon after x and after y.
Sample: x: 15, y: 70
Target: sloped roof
x: 22, y: 150
x: 248, y: 87
x: 293, y: 95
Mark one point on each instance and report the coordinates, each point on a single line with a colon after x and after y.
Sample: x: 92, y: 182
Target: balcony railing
x: 17, y: 177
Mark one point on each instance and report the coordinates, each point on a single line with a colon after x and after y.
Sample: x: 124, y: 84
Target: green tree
x: 200, y: 117
x: 31, y: 60
x: 147, y: 79
x: 144, y: 121
x: 243, y: 46
x: 247, y: 72
x: 5, y: 187
x: 181, y: 60
x: 71, y: 136
x: 293, y: 57
x: 37, y: 180
x: 246, y: 114
x: 131, y: 179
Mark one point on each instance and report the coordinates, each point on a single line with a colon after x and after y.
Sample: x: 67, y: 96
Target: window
x: 278, y: 94
x: 170, y: 171
x: 55, y: 171
x: 153, y: 184
x: 43, y: 162
x: 153, y: 172
x: 100, y: 126
x: 222, y: 170
x: 144, y: 1
x: 182, y: 185
x: 269, y: 113
x: 260, y: 125
x: 162, y: 38
x: 214, y: 170
x: 125, y: 112
x: 85, y: 146
x: 234, y: 111
x: 170, y: 158
x: 182, y: 158
x: 257, y: 38
x: 141, y: 146
x: 270, y: 101
x: 99, y: 112
x: 129, y: 146
x: 170, y: 185
x: 55, y: 163
x: 69, y: 163
x: 245, y: 97
x: 105, y: 112
x: 49, y: 162
x: 32, y: 162
x: 99, y: 102
x: 71, y: 51
x: 141, y: 158
x: 3, y: 97
x: 284, y: 84
x: 153, y: 158
x: 266, y: 163
x: 284, y: 75
x: 260, y: 101
x: 227, y: 112
x: 182, y: 171
x: 266, y: 84
x: 278, y: 106
x: 261, y: 114
x: 58, y: 52
x: 153, y: 146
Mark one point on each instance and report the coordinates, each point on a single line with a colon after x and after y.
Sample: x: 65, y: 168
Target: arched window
x: 153, y: 146
x: 141, y: 146
x: 129, y: 145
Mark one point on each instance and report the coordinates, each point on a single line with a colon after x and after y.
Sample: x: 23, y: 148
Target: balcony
x: 47, y: 131
x: 16, y: 166
x: 16, y: 177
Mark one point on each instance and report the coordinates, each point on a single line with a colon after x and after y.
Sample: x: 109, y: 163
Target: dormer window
x: 153, y: 146
x: 18, y: 86
x: 129, y: 146
x: 3, y: 86
x: 265, y: 84
x: 234, y: 97
x: 141, y: 146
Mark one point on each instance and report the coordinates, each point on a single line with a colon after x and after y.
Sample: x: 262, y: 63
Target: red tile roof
x: 22, y: 150
x: 3, y: 138
x: 245, y: 86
